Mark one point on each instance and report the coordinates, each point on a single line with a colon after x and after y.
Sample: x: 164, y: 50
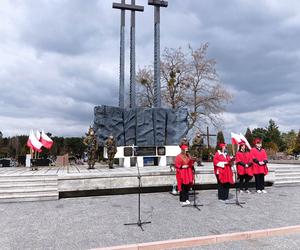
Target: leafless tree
x: 189, y: 79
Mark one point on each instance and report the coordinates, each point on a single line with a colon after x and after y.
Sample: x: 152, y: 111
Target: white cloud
x: 60, y: 58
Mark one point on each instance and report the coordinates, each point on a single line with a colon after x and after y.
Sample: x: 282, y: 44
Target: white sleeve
x: 221, y: 164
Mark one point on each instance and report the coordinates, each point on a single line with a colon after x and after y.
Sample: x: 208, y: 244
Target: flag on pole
x: 34, y: 143
x: 38, y: 135
x: 46, y: 140
x: 235, y: 138
x: 244, y: 139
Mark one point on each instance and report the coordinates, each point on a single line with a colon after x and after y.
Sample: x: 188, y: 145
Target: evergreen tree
x: 297, y: 145
x: 220, y: 138
x: 249, y: 136
x: 273, y: 134
x: 260, y: 133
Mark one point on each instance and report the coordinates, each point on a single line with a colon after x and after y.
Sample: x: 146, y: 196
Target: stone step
x: 283, y: 174
x: 27, y: 179
x: 4, y: 188
x: 28, y: 190
x: 286, y: 167
x: 9, y: 184
x: 29, y: 197
x: 287, y: 183
x: 292, y: 177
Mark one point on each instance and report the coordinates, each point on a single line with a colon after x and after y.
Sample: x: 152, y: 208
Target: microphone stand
x: 139, y: 223
x: 195, y: 205
x: 236, y: 202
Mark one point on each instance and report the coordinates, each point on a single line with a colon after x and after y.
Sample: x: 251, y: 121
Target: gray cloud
x: 60, y: 58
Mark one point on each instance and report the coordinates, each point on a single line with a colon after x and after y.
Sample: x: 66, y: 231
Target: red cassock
x: 225, y: 173
x: 184, y: 175
x: 257, y: 156
x: 241, y: 159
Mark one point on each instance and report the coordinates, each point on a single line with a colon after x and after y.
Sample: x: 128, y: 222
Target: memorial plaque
x: 161, y: 151
x: 128, y: 151
x: 144, y: 151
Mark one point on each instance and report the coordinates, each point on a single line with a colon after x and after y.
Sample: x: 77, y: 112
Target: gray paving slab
x: 287, y: 242
x: 84, y: 223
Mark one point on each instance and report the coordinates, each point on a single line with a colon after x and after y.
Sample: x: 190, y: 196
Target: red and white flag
x: 238, y: 138
x: 46, y: 140
x: 235, y: 138
x: 244, y: 139
x: 34, y: 143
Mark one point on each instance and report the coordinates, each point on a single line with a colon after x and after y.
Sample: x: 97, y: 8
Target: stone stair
x: 19, y: 188
x: 287, y: 174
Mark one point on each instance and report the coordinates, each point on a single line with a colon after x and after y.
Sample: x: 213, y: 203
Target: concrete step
x: 283, y: 174
x: 287, y: 183
x: 27, y: 183
x: 27, y: 179
x: 29, y: 197
x: 4, y: 176
x: 28, y: 189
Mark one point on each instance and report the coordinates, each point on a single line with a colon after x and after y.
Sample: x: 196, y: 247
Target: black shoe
x: 110, y: 167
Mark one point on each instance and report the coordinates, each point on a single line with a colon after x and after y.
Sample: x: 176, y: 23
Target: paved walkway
x: 90, y: 222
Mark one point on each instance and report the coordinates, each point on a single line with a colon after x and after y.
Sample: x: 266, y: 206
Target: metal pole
x: 132, y: 92
x: 157, y: 92
x: 122, y: 59
x: 207, y: 133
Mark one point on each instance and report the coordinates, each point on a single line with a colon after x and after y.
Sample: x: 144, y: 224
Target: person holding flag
x: 184, y: 165
x: 260, y: 169
x: 222, y: 169
x: 244, y: 164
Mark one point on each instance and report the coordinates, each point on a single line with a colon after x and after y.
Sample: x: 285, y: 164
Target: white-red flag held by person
x: 244, y: 139
x: 36, y: 145
x: 46, y: 140
x: 235, y: 138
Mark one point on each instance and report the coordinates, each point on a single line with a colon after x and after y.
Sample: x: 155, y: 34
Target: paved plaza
x: 90, y: 222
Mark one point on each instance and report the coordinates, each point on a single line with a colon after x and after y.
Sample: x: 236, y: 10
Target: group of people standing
x: 248, y: 163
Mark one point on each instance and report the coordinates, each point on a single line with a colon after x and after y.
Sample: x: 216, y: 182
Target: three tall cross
x: 133, y: 7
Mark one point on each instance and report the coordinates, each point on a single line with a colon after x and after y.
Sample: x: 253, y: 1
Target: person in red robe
x: 243, y: 162
x: 184, y: 165
x: 222, y: 169
x: 260, y: 168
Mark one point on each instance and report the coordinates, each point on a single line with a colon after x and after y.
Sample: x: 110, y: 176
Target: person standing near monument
x: 184, y: 141
x: 111, y: 147
x: 260, y: 169
x: 244, y: 164
x: 184, y: 165
x: 92, y: 146
x: 197, y: 148
x: 222, y: 169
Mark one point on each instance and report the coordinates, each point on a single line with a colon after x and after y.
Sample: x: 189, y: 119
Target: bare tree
x: 206, y: 97
x: 188, y: 80
x: 174, y: 77
x: 145, y: 89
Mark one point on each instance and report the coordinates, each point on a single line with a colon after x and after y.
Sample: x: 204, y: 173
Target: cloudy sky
x: 59, y: 58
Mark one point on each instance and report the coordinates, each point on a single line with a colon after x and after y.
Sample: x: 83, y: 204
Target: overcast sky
x: 60, y: 58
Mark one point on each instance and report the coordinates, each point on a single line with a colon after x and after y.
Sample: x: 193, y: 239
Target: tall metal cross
x: 132, y: 7
x: 157, y: 4
x: 207, y: 136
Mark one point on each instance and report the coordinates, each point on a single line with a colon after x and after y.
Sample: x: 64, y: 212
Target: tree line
x: 15, y: 146
x: 274, y: 140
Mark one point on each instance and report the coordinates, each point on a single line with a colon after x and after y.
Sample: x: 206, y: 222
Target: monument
x: 134, y: 125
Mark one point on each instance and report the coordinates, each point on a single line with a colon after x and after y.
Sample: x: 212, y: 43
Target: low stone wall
x: 161, y: 178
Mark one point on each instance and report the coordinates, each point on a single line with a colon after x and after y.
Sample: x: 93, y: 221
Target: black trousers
x: 244, y: 181
x: 184, y: 194
x: 260, y: 181
x: 223, y: 189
